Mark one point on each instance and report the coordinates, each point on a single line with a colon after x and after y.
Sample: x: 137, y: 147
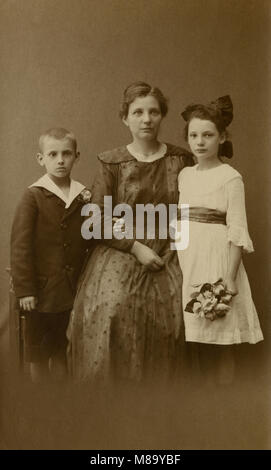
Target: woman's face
x: 144, y: 118
x: 204, y: 138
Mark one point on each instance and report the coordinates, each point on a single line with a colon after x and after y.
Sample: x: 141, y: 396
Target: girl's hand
x: 230, y: 286
x: 147, y: 256
x: 28, y: 303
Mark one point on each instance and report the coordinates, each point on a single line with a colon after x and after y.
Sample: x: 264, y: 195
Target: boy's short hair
x: 58, y: 133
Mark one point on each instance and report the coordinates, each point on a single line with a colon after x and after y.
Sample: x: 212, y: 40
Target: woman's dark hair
x: 220, y: 112
x: 141, y: 89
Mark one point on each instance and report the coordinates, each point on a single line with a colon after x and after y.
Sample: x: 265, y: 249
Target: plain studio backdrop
x: 66, y: 63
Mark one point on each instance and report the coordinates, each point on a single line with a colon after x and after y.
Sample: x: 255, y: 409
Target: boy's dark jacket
x: 47, y: 249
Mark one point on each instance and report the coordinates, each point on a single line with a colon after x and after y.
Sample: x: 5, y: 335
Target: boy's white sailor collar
x: 75, y: 189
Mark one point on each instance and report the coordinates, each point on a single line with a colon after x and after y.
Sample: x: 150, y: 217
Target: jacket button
x: 68, y: 267
x: 63, y: 226
x: 65, y: 245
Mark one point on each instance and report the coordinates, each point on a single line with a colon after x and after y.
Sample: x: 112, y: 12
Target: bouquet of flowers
x: 211, y: 301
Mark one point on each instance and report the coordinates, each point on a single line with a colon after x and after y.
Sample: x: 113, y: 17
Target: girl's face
x: 204, y: 139
x: 144, y: 118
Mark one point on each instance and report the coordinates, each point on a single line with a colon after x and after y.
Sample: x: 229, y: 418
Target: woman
x: 127, y: 319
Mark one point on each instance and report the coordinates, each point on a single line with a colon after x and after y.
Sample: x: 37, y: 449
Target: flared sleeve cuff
x: 236, y: 214
x: 239, y: 236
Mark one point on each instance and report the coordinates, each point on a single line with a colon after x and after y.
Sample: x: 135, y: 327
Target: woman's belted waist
x: 203, y: 215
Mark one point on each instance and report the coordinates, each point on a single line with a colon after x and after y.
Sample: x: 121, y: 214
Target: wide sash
x: 203, y: 215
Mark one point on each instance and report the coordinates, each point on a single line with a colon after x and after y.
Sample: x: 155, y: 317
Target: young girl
x: 218, y: 235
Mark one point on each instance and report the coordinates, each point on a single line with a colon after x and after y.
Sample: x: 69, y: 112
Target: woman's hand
x: 230, y: 286
x: 28, y: 303
x: 147, y: 256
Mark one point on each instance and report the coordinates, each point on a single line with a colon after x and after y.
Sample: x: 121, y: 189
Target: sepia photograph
x: 135, y: 227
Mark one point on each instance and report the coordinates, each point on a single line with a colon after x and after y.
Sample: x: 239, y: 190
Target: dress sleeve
x: 236, y: 215
x: 105, y: 184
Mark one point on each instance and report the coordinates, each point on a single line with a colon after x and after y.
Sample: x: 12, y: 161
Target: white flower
x: 85, y: 195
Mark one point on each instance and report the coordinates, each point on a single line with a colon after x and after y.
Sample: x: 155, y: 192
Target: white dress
x: 207, y: 257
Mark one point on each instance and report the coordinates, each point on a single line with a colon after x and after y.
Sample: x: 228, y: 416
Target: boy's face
x: 58, y: 157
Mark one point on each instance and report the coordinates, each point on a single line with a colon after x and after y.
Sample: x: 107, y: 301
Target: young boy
x: 47, y: 253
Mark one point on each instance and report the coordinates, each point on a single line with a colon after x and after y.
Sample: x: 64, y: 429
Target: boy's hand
x: 28, y: 303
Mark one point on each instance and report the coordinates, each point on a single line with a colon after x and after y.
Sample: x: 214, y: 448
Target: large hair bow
x: 222, y: 105
x: 225, y: 106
